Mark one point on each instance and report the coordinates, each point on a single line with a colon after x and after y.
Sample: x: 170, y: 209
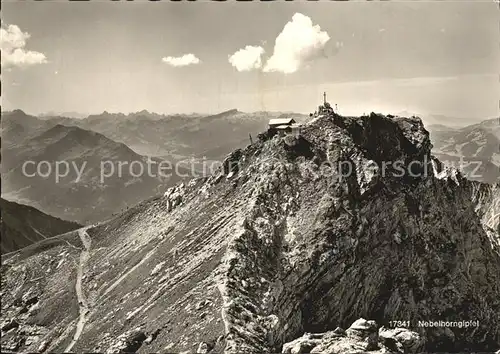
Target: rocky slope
x: 22, y: 226
x: 293, y: 236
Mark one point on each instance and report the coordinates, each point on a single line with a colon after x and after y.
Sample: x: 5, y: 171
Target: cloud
x: 12, y: 43
x: 185, y: 60
x: 248, y: 58
x: 298, y: 43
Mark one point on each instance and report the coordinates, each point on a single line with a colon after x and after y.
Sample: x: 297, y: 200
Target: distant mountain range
x: 144, y: 112
x: 475, y: 149
x: 22, y: 225
x: 88, y: 196
x: 180, y: 136
x: 440, y: 119
x: 75, y: 115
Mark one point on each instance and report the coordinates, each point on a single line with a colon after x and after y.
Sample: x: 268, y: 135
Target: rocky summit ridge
x: 293, y: 239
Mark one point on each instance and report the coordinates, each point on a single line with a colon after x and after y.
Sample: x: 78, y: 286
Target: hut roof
x: 281, y: 121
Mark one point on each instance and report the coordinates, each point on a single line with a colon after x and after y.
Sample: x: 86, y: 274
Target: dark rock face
x: 294, y: 235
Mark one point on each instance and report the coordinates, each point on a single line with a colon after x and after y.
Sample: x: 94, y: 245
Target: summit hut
x: 283, y: 126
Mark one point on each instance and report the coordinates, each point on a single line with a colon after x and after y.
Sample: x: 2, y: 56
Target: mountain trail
x: 82, y: 301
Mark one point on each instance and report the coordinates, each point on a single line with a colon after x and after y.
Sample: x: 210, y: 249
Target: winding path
x: 82, y: 301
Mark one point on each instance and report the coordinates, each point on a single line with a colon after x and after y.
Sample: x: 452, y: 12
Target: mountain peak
x: 19, y: 112
x: 379, y: 137
x: 144, y: 111
x: 228, y: 112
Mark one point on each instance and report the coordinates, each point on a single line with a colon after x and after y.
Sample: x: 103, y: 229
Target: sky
x: 181, y: 57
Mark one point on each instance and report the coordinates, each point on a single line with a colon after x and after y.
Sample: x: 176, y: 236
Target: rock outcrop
x: 293, y: 235
x: 362, y: 337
